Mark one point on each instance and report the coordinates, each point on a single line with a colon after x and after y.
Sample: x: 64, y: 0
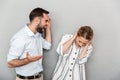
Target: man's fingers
x: 35, y: 58
x: 41, y: 56
x: 32, y: 58
x: 38, y: 57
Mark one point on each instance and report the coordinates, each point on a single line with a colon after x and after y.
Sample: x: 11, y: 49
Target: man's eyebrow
x: 46, y: 20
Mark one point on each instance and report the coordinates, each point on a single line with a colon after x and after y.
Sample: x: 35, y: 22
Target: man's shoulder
x: 19, y: 35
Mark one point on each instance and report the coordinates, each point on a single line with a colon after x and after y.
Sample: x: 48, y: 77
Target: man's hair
x: 86, y: 32
x: 37, y: 12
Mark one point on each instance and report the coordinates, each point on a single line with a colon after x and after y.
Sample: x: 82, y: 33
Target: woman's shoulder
x: 67, y: 36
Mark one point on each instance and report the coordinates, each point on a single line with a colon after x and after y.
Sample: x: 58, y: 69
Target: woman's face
x: 81, y: 41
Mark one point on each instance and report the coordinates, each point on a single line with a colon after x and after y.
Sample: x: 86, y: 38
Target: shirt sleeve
x: 60, y: 45
x: 16, y: 49
x: 46, y: 45
x: 85, y: 58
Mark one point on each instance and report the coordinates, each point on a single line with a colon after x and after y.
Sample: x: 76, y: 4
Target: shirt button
x: 70, y: 75
x: 70, y: 69
x: 71, y: 63
x: 75, y: 53
x: 73, y: 58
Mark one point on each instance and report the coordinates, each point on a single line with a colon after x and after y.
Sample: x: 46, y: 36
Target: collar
x: 29, y: 32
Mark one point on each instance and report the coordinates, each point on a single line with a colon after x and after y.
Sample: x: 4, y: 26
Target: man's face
x: 44, y: 20
x: 81, y: 41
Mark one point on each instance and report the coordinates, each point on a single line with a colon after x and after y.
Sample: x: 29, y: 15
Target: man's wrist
x: 27, y: 60
x: 48, y: 28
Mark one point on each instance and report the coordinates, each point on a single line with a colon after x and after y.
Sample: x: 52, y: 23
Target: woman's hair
x: 86, y: 32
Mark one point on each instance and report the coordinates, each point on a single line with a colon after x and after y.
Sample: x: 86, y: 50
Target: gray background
x: 67, y: 16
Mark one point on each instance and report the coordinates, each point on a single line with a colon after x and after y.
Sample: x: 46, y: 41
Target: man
x: 26, y: 46
x: 73, y: 51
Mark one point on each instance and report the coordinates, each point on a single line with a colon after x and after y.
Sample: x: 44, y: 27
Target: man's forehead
x: 45, y: 16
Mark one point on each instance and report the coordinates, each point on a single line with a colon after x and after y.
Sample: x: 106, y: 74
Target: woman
x: 73, y: 51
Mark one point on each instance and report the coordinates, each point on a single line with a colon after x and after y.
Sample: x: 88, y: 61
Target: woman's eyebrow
x: 82, y: 42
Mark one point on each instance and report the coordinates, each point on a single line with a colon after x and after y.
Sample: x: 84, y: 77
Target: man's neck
x: 32, y: 28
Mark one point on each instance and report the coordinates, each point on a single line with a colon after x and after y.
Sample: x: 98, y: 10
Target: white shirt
x: 26, y: 41
x: 69, y: 65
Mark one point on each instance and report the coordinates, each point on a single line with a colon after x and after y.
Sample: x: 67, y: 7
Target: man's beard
x: 40, y: 29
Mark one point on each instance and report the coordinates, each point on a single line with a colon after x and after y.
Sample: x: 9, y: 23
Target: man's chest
x: 33, y: 45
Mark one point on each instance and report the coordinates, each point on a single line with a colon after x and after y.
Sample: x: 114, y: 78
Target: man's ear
x: 37, y: 20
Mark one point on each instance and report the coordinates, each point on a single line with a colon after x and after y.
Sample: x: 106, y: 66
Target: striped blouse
x: 69, y: 66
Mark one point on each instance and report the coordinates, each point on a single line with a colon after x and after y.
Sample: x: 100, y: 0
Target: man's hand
x: 21, y: 62
x: 48, y: 24
x: 48, y: 31
x: 32, y: 58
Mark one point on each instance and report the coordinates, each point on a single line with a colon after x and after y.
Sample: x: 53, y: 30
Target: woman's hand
x: 74, y: 36
x: 84, y: 51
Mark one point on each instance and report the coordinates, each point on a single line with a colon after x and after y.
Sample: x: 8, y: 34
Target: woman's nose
x: 80, y: 44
